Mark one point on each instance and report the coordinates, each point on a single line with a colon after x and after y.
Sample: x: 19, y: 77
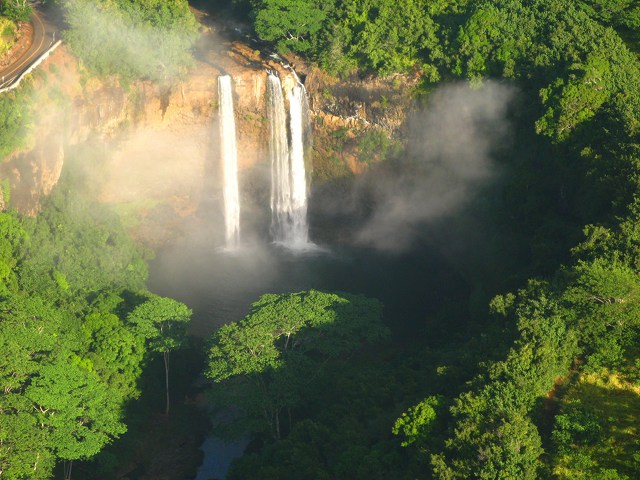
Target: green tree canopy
x: 78, y: 410
x: 11, y: 237
x: 162, y: 321
x: 289, y: 23
x: 70, y: 356
x: 16, y: 10
x: 269, y: 355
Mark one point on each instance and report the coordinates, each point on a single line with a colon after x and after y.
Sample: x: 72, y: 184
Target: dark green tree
x: 289, y: 23
x: 265, y: 359
x: 16, y: 10
x: 116, y: 353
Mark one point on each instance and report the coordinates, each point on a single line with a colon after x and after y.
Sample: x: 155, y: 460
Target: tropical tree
x: 265, y: 359
x: 11, y: 236
x: 80, y: 413
x: 416, y: 424
x: 162, y: 322
x: 17, y: 10
x: 28, y: 337
x: 115, y: 351
x: 290, y: 23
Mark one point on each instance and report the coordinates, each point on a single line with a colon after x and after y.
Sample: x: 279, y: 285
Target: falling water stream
x: 288, y: 176
x: 220, y: 286
x: 229, y: 162
x: 298, y: 121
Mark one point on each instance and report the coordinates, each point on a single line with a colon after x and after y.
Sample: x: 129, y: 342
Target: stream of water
x: 229, y: 162
x: 288, y: 175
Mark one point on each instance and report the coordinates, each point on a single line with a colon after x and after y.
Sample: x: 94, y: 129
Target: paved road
x: 44, y: 34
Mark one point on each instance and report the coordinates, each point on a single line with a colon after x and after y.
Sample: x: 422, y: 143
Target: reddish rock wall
x: 158, y: 144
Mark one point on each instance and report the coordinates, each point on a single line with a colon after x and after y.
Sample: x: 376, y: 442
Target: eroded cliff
x: 154, y: 148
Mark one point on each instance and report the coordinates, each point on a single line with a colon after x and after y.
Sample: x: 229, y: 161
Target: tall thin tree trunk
x: 68, y: 465
x: 166, y: 379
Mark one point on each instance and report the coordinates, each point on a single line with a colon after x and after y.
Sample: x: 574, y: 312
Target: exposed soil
x: 24, y: 39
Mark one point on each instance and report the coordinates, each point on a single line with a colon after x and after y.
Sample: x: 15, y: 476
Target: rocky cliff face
x: 357, y: 120
x: 145, y: 145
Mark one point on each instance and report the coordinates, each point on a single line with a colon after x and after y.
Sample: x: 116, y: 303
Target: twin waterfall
x: 288, y: 177
x: 286, y: 151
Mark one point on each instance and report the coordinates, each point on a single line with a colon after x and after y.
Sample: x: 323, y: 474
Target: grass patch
x: 7, y: 34
x: 132, y: 213
x: 597, y: 433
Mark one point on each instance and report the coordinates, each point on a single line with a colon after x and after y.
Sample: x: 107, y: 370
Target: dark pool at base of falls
x: 220, y: 285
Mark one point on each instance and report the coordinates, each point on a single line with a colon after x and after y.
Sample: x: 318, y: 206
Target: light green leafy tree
x: 289, y: 23
x: 162, y: 322
x: 28, y: 331
x: 80, y: 413
x: 416, y: 424
x: 25, y: 451
x: 28, y: 338
x: 263, y: 360
x: 11, y: 236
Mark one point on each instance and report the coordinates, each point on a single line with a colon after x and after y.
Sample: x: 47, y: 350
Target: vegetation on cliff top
x: 16, y: 119
x: 15, y: 10
x: 377, y: 36
x: 148, y: 39
x: 8, y: 30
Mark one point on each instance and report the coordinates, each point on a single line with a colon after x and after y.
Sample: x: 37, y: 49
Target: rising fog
x: 449, y: 158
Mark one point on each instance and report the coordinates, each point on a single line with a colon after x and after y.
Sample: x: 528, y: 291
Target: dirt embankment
x: 21, y: 43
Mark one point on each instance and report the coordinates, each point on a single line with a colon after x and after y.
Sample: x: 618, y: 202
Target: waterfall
x: 229, y: 162
x: 298, y: 121
x: 288, y: 177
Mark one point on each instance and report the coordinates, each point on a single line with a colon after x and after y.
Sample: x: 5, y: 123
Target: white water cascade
x: 229, y: 162
x: 288, y: 176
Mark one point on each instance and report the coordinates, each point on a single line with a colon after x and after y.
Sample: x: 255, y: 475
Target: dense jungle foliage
x: 77, y: 327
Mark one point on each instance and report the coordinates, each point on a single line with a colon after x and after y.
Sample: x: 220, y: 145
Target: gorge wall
x: 153, y: 150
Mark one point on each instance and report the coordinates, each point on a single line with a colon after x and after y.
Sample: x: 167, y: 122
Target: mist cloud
x: 136, y: 43
x: 449, y: 158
